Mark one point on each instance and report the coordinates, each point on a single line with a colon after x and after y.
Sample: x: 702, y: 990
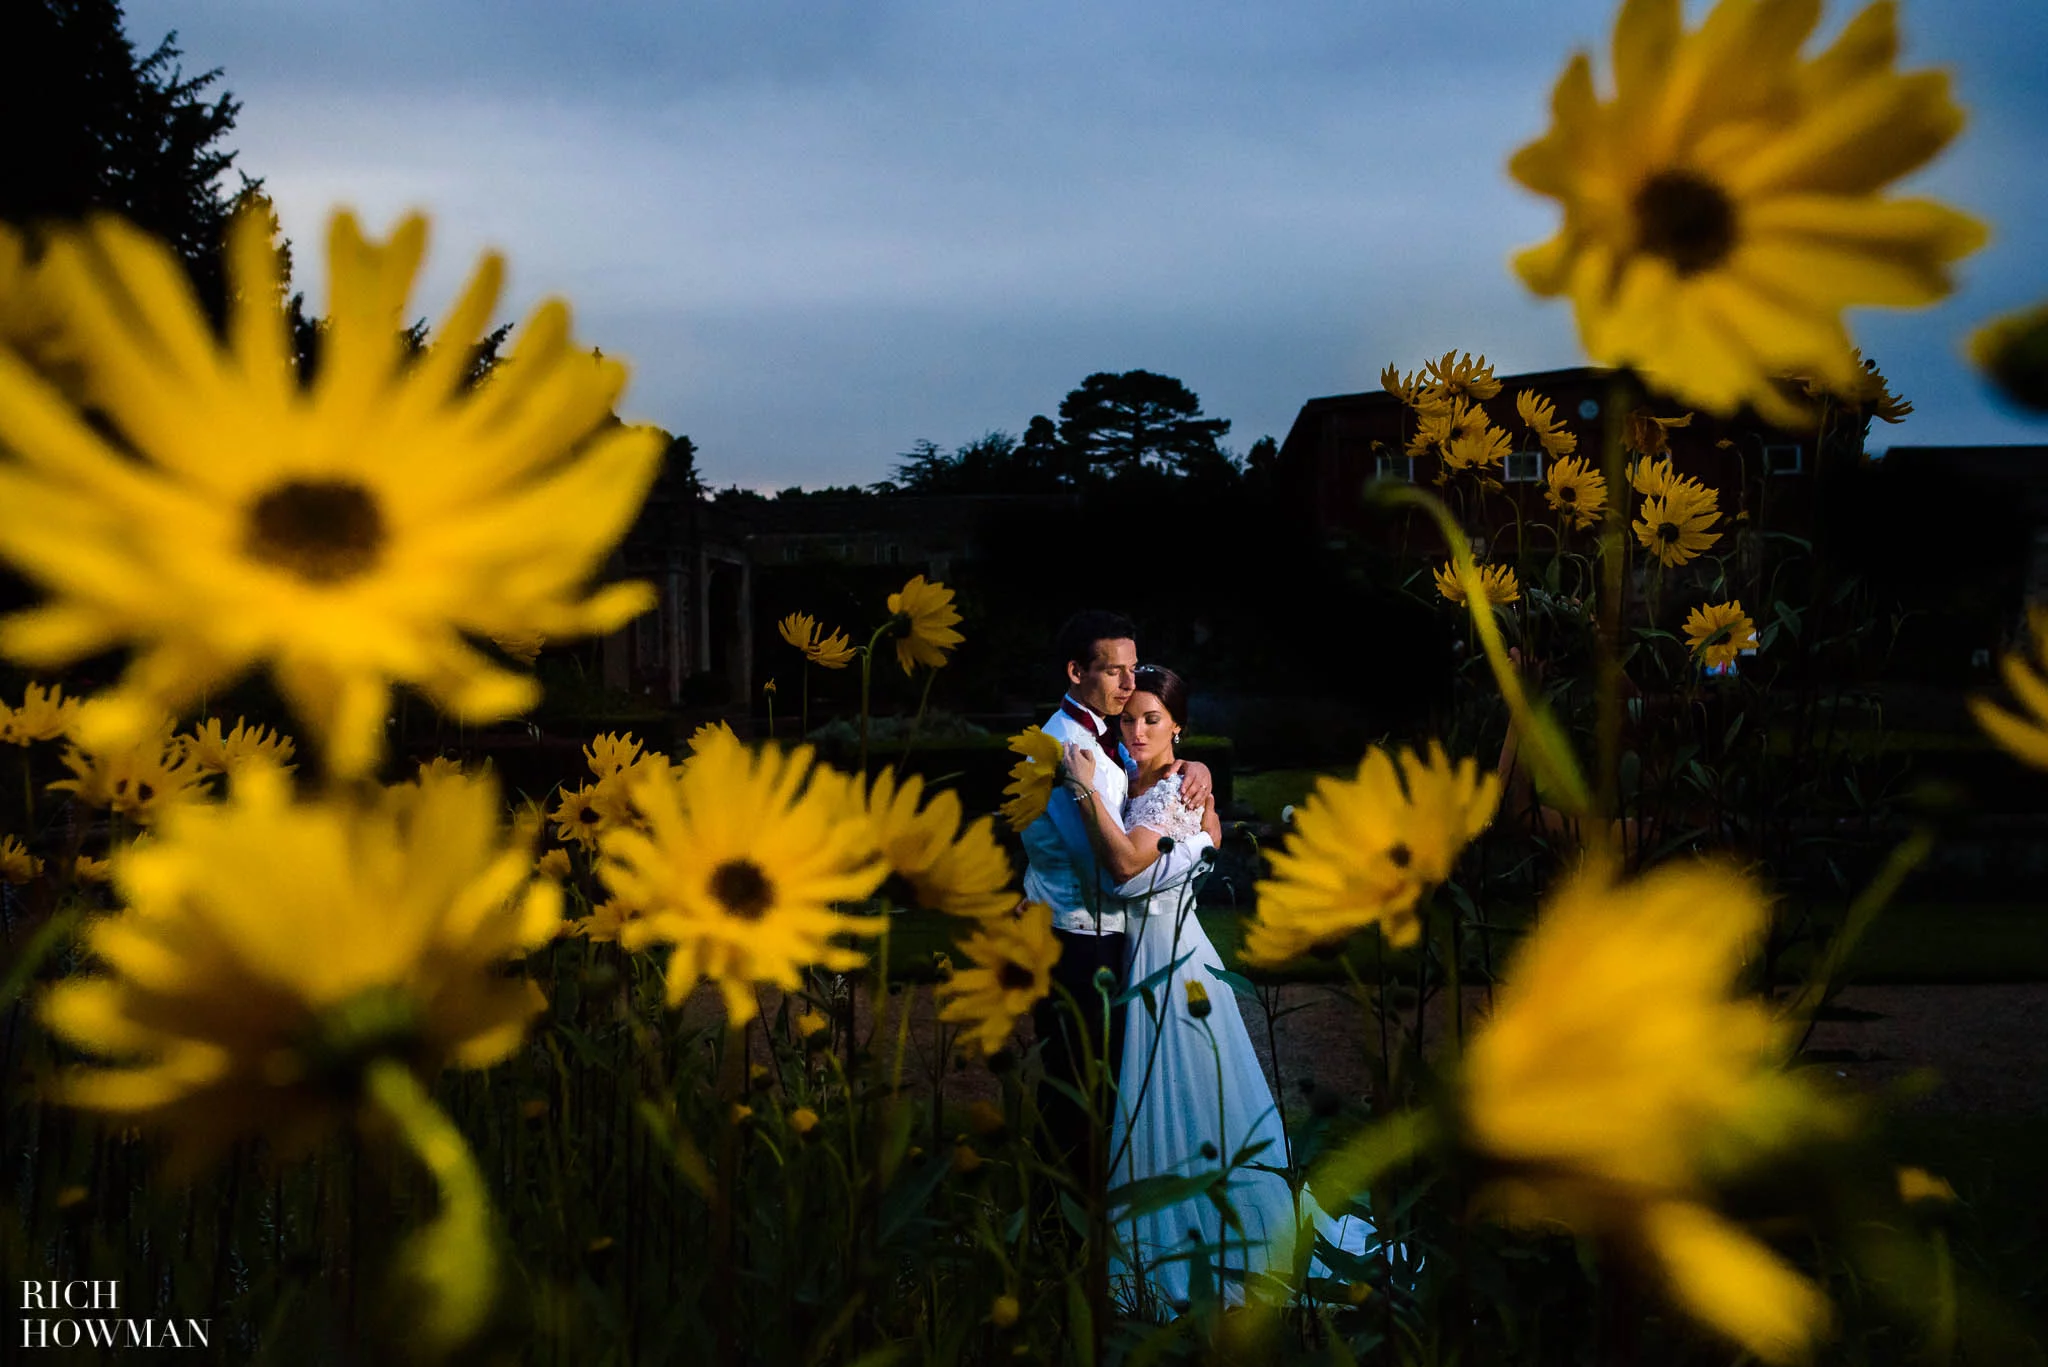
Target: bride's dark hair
x: 1165, y: 685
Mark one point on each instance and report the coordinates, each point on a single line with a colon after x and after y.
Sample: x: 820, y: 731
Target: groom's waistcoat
x: 1061, y: 869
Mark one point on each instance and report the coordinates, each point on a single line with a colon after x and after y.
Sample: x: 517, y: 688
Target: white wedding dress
x: 1205, y: 1102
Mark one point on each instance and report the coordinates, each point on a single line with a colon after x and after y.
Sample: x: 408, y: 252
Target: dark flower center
x: 589, y: 815
x: 323, y: 530
x: 1401, y: 855
x: 1667, y: 532
x: 743, y: 888
x: 1568, y: 494
x: 1687, y: 220
x: 1015, y: 977
x: 143, y: 792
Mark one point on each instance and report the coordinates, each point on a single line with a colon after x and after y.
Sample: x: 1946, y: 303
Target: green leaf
x: 1148, y: 1194
x: 1345, y: 1173
x: 1243, y: 986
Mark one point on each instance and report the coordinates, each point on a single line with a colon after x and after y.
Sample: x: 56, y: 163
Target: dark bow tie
x: 1097, y: 729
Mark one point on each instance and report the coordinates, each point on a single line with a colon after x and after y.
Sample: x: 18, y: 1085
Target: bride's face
x: 1148, y: 728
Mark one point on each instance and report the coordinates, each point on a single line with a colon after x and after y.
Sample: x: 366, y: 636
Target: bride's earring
x: 1176, y: 735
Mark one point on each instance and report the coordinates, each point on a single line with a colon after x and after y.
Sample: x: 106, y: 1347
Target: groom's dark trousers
x: 1081, y: 955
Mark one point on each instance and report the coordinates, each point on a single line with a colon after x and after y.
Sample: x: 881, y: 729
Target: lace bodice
x: 1159, y: 808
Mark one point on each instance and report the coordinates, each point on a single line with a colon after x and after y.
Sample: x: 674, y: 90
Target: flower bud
x: 2013, y: 352
x: 803, y: 1120
x: 1198, y: 1000
x: 1003, y: 1311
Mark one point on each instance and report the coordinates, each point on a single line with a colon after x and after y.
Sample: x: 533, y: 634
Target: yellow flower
x: 582, y: 813
x: 45, y: 714
x: 833, y: 652
x: 606, y: 922
x: 1198, y: 1000
x: 1724, y: 206
x: 710, y: 733
x: 611, y: 754
x: 1918, y: 1184
x: 351, y: 534
x: 1649, y: 436
x: 1675, y: 527
x: 1539, y: 415
x: 1652, y: 478
x: 270, y: 951
x: 1619, y: 1077
x: 1003, y: 1311
x: 1031, y: 778
x: 523, y: 646
x: 17, y: 865
x: 1010, y: 968
x: 1871, y: 393
x: 810, y: 1024
x: 1461, y: 377
x: 2023, y: 734
x: 216, y: 753
x: 1576, y: 489
x: 1459, y: 434
x: 1411, y: 390
x: 739, y: 868
x: 553, y: 864
x: 924, y: 630
x: 933, y: 863
x: 138, y: 781
x: 87, y: 869
x: 1363, y: 850
x: 1499, y: 581
x: 803, y: 1120
x: 2013, y: 352
x: 1725, y: 621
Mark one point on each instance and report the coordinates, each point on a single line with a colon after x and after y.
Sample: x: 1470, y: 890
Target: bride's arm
x: 1126, y: 854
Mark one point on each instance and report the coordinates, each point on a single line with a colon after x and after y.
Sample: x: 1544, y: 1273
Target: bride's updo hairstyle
x: 1165, y: 685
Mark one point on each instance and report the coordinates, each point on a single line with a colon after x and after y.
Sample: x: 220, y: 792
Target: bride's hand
x: 1197, y: 786
x: 1080, y: 762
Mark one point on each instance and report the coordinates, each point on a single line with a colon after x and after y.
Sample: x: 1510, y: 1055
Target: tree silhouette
x: 1139, y: 420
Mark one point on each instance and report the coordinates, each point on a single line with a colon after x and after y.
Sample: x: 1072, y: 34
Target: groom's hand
x: 1196, y: 785
x: 1080, y: 762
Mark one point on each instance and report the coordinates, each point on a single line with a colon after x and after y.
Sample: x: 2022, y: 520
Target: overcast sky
x: 820, y: 232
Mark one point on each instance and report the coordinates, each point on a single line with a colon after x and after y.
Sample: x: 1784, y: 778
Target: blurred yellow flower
x: 216, y: 753
x: 833, y: 651
x: 1031, y: 778
x: 1619, y: 1077
x: 1576, y: 489
x: 87, y: 869
x: 933, y: 863
x: 271, y: 951
x: 1459, y: 434
x: 2023, y: 734
x: 739, y: 868
x: 138, y: 781
x: 1719, y: 632
x: 351, y: 534
x: 1409, y: 389
x: 45, y: 714
x: 1649, y: 436
x: 810, y: 1024
x: 1460, y: 377
x: 1652, y: 478
x: 924, y: 627
x: 1009, y: 969
x: 1363, y: 851
x: 523, y: 646
x: 1724, y: 205
x: 803, y: 1120
x: 1003, y: 1311
x: 553, y: 864
x: 1676, y: 526
x: 606, y: 922
x: 583, y: 811
x: 17, y: 865
x: 2012, y: 351
x: 1918, y: 1184
x: 711, y: 732
x: 1499, y: 581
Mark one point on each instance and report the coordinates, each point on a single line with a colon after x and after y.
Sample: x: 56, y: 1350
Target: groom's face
x: 1109, y: 678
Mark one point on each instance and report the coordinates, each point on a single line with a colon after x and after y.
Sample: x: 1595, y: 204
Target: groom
x: 1099, y: 654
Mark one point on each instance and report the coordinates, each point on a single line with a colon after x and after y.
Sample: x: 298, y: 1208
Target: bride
x: 1193, y: 1097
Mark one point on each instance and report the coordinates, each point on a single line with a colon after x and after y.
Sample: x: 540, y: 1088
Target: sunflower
x: 583, y: 812
x: 1719, y: 632
x: 216, y: 753
x: 1539, y: 415
x: 611, y: 753
x: 1649, y: 436
x: 350, y: 534
x: 1498, y: 580
x: 523, y: 646
x: 2013, y: 351
x: 1460, y: 377
x: 739, y: 868
x: 1576, y: 489
x: 1675, y: 527
x: 1010, y: 970
x: 1723, y: 207
x: 45, y: 714
x: 1411, y: 390
x: 1031, y: 778
x: 17, y: 865
x: 1653, y: 477
x: 924, y: 625
x: 2023, y: 734
x: 271, y: 951
x: 1618, y: 1076
x: 138, y: 781
x: 87, y: 869
x: 1364, y: 849
x: 933, y: 863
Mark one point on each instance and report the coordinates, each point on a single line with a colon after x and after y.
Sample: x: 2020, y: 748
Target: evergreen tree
x: 1139, y: 420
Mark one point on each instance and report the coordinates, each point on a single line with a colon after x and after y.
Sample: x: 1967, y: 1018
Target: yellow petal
x: 1729, y: 1280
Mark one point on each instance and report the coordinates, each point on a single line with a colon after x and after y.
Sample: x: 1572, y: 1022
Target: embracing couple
x: 1118, y: 856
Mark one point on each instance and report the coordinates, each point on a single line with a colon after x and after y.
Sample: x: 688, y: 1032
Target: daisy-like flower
x: 1676, y: 526
x: 2013, y: 352
x: 1363, y: 850
x: 138, y: 781
x: 711, y: 733
x: 271, y: 951
x: 1619, y: 1077
x: 924, y: 627
x: 1539, y: 415
x: 1459, y: 433
x: 606, y: 922
x: 1871, y: 393
x: 1499, y: 581
x: 1576, y: 489
x: 215, y: 751
x: 582, y: 813
x: 800, y: 629
x: 611, y: 754
x: 554, y: 863
x: 2023, y: 734
x: 739, y: 868
x: 932, y: 862
x: 1649, y: 436
x: 351, y: 534
x: 1724, y: 205
x: 1654, y: 477
x: 1719, y: 632
x: 45, y: 714
x: 1461, y: 377
x: 17, y: 865
x: 1031, y: 778
x: 87, y: 869
x: 833, y: 652
x: 1009, y: 971
x: 523, y: 646
x: 1412, y: 390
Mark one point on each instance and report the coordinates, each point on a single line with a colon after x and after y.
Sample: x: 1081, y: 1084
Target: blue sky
x: 820, y: 232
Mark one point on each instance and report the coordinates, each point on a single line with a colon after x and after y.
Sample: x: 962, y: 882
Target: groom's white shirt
x: 1061, y: 869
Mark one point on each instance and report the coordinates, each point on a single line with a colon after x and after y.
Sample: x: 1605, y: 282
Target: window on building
x: 892, y: 554
x: 1788, y: 459
x: 1525, y: 467
x: 1395, y: 467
